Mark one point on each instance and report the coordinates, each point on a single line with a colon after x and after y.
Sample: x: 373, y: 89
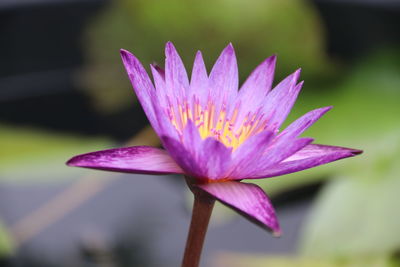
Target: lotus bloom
x: 218, y: 135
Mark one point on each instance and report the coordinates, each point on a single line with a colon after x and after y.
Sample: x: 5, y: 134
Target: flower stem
x: 202, y: 209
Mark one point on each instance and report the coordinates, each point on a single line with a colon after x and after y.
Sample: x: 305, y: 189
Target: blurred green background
x: 64, y: 91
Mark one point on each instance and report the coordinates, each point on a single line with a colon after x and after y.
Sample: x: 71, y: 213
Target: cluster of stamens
x: 224, y: 127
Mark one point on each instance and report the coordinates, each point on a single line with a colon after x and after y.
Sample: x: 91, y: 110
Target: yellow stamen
x: 221, y: 128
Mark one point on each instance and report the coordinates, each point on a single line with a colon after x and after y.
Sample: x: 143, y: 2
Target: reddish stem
x: 202, y: 209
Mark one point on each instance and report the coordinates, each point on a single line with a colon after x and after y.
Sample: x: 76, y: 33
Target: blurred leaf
x: 249, y: 260
x: 365, y: 102
x: 365, y: 111
x: 358, y: 214
x: 6, y: 243
x: 30, y: 154
x: 257, y: 29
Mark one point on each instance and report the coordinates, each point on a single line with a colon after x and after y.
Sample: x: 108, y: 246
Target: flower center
x: 231, y: 130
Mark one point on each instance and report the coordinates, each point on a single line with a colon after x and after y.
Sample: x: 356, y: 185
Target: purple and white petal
x: 248, y: 199
x: 224, y: 75
x: 280, y: 100
x: 279, y: 150
x: 165, y: 127
x: 159, y: 70
x: 258, y: 84
x: 163, y: 104
x: 199, y: 81
x: 137, y: 159
x: 310, y: 156
x: 215, y: 158
x: 159, y: 81
x: 191, y: 139
x: 223, y: 80
x: 253, y: 148
x: 210, y: 155
x: 183, y: 158
x: 176, y: 78
x: 304, y: 122
x: 142, y: 85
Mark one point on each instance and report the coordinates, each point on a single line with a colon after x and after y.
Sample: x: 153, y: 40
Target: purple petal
x: 304, y: 122
x: 137, y: 159
x: 192, y: 139
x: 278, y: 150
x: 310, y: 156
x: 199, y: 80
x: 159, y: 70
x: 176, y: 78
x: 183, y: 157
x: 159, y: 82
x: 160, y: 104
x: 253, y: 148
x: 142, y: 85
x: 224, y: 74
x: 210, y: 155
x: 283, y: 149
x: 257, y: 86
x: 199, y: 71
x: 280, y: 100
x: 162, y: 101
x: 162, y: 120
x: 224, y: 80
x: 216, y: 158
x: 159, y: 78
x: 248, y: 199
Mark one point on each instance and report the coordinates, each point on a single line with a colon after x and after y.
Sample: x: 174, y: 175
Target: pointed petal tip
x: 308, y: 140
x: 128, y: 58
x: 169, y: 48
x: 157, y: 71
x: 269, y: 61
x: 229, y: 48
x: 156, y: 67
x: 349, y: 152
x: 77, y: 161
x: 294, y: 77
x: 71, y: 162
x: 125, y: 53
x: 296, y: 74
x: 356, y: 152
x: 122, y: 50
x: 323, y: 110
x: 272, y: 59
x: 199, y: 56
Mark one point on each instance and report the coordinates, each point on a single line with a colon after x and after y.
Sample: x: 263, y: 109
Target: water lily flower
x: 217, y: 135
